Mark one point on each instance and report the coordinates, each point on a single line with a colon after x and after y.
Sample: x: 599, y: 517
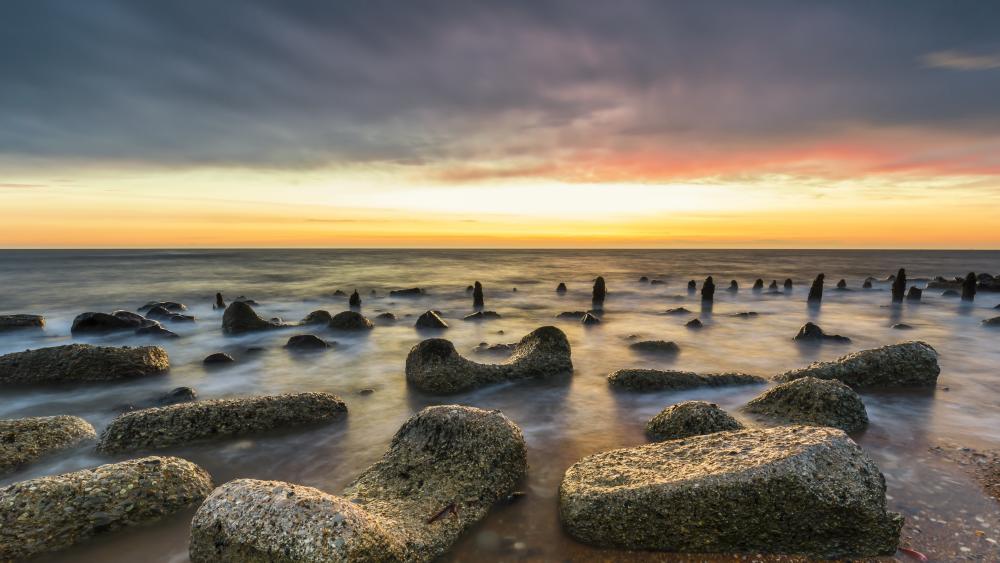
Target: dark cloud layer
x: 301, y: 83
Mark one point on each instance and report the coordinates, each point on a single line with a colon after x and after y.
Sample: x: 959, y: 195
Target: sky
x: 522, y: 123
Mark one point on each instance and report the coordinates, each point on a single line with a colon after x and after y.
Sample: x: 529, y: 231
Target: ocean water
x: 563, y: 419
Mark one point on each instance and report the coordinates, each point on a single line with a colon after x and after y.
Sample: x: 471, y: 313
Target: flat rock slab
x: 662, y: 380
x: 51, y: 513
x: 21, y: 322
x: 24, y: 440
x: 816, y: 402
x: 445, y: 468
x: 907, y: 364
x: 435, y: 365
x: 77, y: 363
x: 791, y: 490
x: 183, y: 423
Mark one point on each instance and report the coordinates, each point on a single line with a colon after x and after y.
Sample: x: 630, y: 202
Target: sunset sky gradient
x: 539, y: 123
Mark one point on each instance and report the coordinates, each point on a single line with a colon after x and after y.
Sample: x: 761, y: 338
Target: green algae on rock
x: 51, y: 513
x: 661, y: 380
x: 445, y: 468
x: 79, y: 363
x: 24, y: 440
x: 792, y: 490
x: 690, y: 418
x: 183, y: 423
x: 815, y: 402
x: 907, y: 364
x: 435, y: 366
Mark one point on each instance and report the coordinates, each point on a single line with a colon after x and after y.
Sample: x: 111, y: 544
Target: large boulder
x: 907, y: 364
x: 21, y: 322
x: 76, y: 363
x: 98, y: 323
x: 51, y: 513
x: 445, y: 468
x: 660, y: 380
x: 350, y: 320
x: 435, y: 366
x: 240, y: 317
x: 183, y: 423
x: 792, y: 490
x: 811, y: 401
x: 690, y: 418
x: 23, y: 440
x: 811, y: 332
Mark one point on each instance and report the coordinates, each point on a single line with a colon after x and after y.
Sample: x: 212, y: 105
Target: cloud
x: 957, y: 60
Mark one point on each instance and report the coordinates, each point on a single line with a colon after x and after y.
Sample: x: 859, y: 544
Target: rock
x: 708, y: 289
x: 158, y: 312
x: 387, y: 317
x: 690, y: 418
x: 436, y: 367
x: 995, y: 321
x: 692, y: 286
x: 746, y: 314
x: 657, y: 380
x: 949, y: 293
x: 816, y: 290
x: 77, y: 363
x: 561, y: 288
x: 814, y: 402
x: 247, y: 300
x: 899, y: 286
x: 773, y: 286
x: 355, y: 300
x: 445, y: 468
x: 477, y: 296
x: 657, y: 282
x: 177, y: 395
x: 24, y: 440
x: 575, y: 315
x: 170, y: 306
x: 643, y: 279
x: 185, y: 423
x: 157, y: 331
x: 218, y: 358
x: 97, y: 323
x: 997, y: 306
x: 600, y: 291
x: 430, y: 320
x: 589, y: 319
x: 240, y: 317
x: 220, y: 303
x: 317, y: 317
x: 902, y: 326
x: 21, y: 322
x: 469, y: 289
x: 175, y: 318
x: 339, y: 293
x: 51, y: 513
x: 350, y: 320
x: 411, y: 292
x: 655, y: 347
x: 842, y: 284
x: 500, y: 349
x: 677, y: 311
x: 969, y: 287
x: 914, y: 294
x: 481, y: 316
x: 733, y: 286
x: 306, y: 342
x: 867, y: 284
x: 908, y: 364
x: 813, y: 333
x: 758, y: 285
x: 788, y: 284
x: 789, y: 490
x: 694, y: 324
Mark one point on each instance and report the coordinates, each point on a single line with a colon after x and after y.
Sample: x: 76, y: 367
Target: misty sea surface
x: 563, y: 418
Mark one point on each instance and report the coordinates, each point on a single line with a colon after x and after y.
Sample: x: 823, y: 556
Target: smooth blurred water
x: 563, y: 419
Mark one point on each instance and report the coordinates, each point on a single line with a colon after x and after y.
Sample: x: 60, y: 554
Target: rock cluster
x: 77, y: 363
x: 444, y: 470
x: 907, y: 364
x: 811, y: 332
x: 811, y: 401
x: 436, y: 367
x: 24, y: 440
x: 690, y: 418
x: 660, y: 380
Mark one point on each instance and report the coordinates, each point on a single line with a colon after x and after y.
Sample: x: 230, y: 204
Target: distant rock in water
x: 658, y: 380
x: 793, y: 489
x: 708, y: 289
x: 481, y: 316
x: 478, y: 302
x: 411, y: 292
x: 914, y: 294
x: 746, y: 314
x: 811, y: 332
x: 995, y: 321
x: 590, y: 319
x: 575, y: 315
x: 867, y: 284
x: 155, y: 331
x: 355, y: 300
x: 908, y: 364
x: 317, y: 317
x: 430, y: 320
x: 969, y: 287
x: 98, y: 323
x: 816, y: 290
x: 655, y: 347
x: 677, y: 311
x: 220, y: 303
x: 694, y: 324
x: 788, y: 284
x: 561, y: 288
x: 643, y: 279
x: 773, y: 286
x: 734, y: 286
x: 176, y: 395
x: 339, y: 293
x: 758, y: 285
x: 600, y: 291
x: 899, y: 286
x: 949, y: 293
x: 386, y: 317
x: 690, y: 418
x: 469, y: 288
x: 814, y: 402
x: 842, y: 284
x: 25, y: 440
x: 78, y: 363
x: 902, y: 326
x: 499, y: 349
x: 435, y: 366
x: 350, y: 320
x: 692, y: 286
x: 240, y: 318
x: 21, y: 322
x: 218, y: 358
x: 657, y: 282
x: 306, y: 342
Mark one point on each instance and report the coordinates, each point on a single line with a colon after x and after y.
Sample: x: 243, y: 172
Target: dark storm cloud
x: 293, y: 83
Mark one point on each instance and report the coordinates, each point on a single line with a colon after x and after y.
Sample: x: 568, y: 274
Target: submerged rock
x: 907, y: 364
x: 350, y: 320
x: 708, y: 289
x: 499, y: 349
x: 995, y: 321
x: 692, y: 286
x: 481, y: 316
x: 655, y: 347
x: 733, y: 286
x: 575, y: 315
x: 98, y: 323
x: 657, y: 282
x: 600, y: 291
x: 815, y: 402
x: 430, y: 320
x: 690, y: 418
x: 694, y: 324
x: 791, y: 490
x: 51, y: 513
x: 306, y: 342
x: 21, y: 322
x: 842, y: 284
x: 411, y: 292
x: 156, y: 331
x: 659, y: 380
x: 184, y: 423
x: 811, y: 332
x: 218, y: 358
x: 444, y: 470
x: 914, y: 294
x: 899, y: 286
x: 76, y: 363
x: 677, y: 311
x: 170, y: 306
x: 319, y: 316
x: 949, y: 293
x: 24, y: 440
x: 386, y: 317
x: 590, y: 319
x: 746, y: 314
x: 816, y: 290
x: 643, y: 279
x: 240, y: 317
x: 176, y: 395
x: 902, y: 326
x: 436, y: 367
x: 561, y: 288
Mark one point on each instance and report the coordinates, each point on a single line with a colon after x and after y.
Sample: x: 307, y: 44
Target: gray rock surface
x: 791, y: 490
x: 184, y: 423
x: 811, y: 401
x: 690, y: 418
x: 51, y: 513
x: 435, y: 366
x: 443, y: 471
x: 21, y: 322
x: 24, y: 440
x: 907, y: 364
x: 77, y: 363
x: 660, y: 380
x: 240, y: 317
